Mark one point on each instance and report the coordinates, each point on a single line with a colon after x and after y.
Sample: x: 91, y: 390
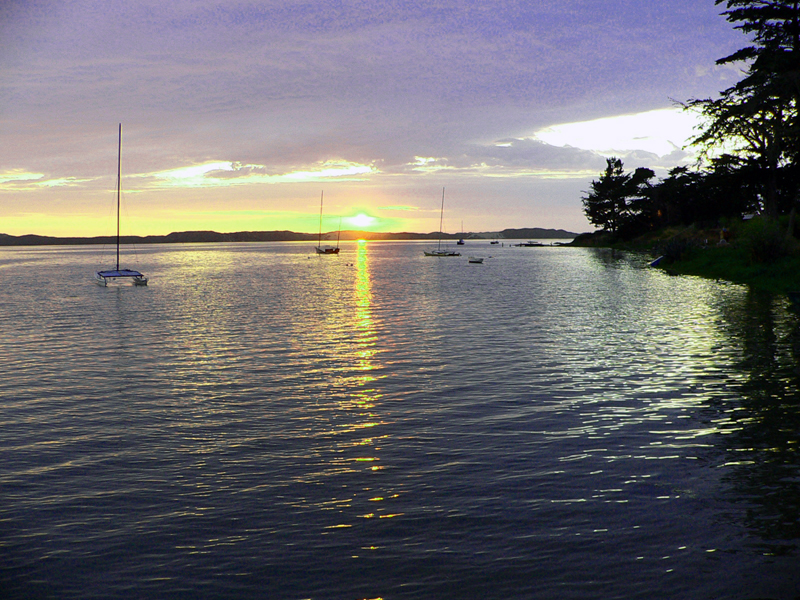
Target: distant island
x: 194, y: 237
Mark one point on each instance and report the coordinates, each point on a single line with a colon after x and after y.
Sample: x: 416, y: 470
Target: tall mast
x: 119, y: 182
x: 319, y: 241
x: 441, y: 221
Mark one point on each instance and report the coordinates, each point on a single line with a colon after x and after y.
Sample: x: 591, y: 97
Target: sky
x: 239, y: 115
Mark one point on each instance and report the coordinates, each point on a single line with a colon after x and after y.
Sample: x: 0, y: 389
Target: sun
x: 362, y: 220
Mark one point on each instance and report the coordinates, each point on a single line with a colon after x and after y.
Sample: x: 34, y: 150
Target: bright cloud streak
x: 658, y: 131
x: 342, y: 171
x: 210, y: 174
x: 19, y: 175
x: 193, y: 176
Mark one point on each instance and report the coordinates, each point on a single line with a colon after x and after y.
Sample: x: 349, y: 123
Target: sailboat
x: 319, y: 247
x: 439, y: 251
x: 116, y: 274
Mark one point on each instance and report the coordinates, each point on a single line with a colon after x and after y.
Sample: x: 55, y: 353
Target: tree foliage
x: 617, y: 199
x: 750, y: 144
x: 758, y: 115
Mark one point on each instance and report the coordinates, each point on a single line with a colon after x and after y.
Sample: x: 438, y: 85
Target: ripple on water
x: 559, y: 422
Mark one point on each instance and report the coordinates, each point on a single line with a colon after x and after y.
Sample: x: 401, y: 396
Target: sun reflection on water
x: 363, y: 395
x: 356, y: 415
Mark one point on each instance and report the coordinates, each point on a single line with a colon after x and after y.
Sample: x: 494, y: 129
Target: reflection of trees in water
x: 610, y: 257
x: 763, y: 431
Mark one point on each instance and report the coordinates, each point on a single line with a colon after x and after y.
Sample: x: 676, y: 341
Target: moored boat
x: 439, y: 251
x: 116, y: 274
x: 319, y: 248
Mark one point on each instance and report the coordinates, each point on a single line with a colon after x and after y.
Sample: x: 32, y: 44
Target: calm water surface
x: 260, y: 422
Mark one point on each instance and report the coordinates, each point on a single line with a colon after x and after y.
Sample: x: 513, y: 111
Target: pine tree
x: 759, y: 115
x: 617, y: 199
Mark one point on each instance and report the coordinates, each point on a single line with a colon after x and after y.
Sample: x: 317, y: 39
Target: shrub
x: 676, y: 248
x: 764, y: 240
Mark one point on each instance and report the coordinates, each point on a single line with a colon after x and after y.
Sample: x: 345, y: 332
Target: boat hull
x: 104, y: 278
x: 326, y: 250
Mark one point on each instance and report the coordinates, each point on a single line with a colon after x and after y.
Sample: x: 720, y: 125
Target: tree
x: 759, y: 115
x: 617, y: 199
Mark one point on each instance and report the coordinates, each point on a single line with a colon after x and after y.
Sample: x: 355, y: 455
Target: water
x: 260, y: 422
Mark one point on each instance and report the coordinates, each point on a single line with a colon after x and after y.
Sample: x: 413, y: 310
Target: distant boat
x: 461, y: 242
x: 319, y: 247
x: 439, y: 251
x: 477, y: 260
x: 529, y: 244
x: 116, y: 274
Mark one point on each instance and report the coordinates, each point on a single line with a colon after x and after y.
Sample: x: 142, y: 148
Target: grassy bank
x: 757, y: 254
x: 732, y: 263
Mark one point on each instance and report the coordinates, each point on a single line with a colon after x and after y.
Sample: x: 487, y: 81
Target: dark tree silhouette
x: 617, y: 199
x: 759, y: 115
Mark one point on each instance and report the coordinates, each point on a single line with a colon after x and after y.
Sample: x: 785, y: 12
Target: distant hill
x: 537, y: 233
x: 194, y: 237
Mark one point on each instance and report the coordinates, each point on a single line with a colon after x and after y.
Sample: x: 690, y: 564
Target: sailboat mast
x: 441, y: 222
x: 319, y: 241
x: 119, y: 182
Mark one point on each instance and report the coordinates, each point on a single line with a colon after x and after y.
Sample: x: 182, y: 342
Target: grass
x: 758, y: 255
x: 732, y: 263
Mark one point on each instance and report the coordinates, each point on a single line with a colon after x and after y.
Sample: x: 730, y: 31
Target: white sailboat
x: 116, y: 274
x: 439, y: 251
x: 319, y: 247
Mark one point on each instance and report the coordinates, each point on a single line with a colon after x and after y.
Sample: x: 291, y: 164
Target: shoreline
x: 194, y: 237
x: 728, y: 262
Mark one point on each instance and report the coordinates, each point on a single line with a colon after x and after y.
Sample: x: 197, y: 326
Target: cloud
x: 660, y: 132
x: 228, y: 173
x: 16, y: 175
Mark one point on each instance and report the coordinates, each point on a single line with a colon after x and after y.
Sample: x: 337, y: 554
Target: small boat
x: 320, y: 249
x: 476, y: 260
x: 116, y: 274
x: 529, y: 244
x: 657, y: 261
x: 439, y: 251
x: 494, y: 242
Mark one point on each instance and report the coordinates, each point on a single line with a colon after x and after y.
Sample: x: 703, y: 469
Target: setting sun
x: 362, y: 220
